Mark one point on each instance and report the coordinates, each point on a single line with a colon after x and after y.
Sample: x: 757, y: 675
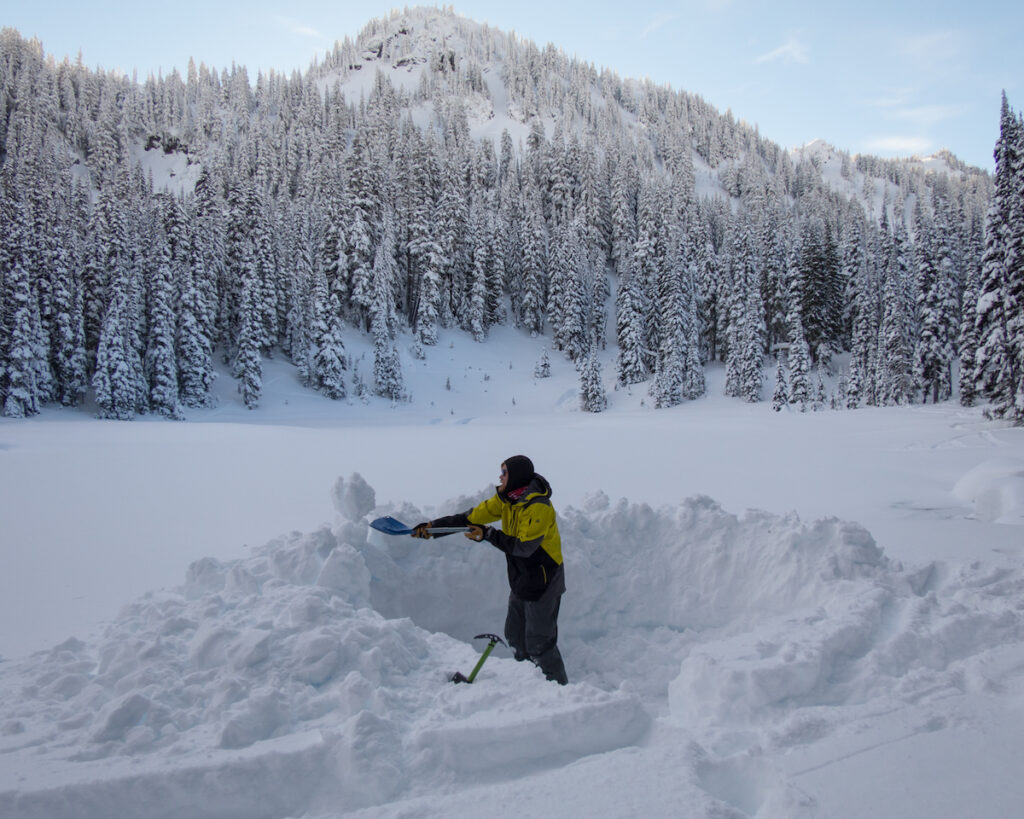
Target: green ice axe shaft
x: 483, y: 657
x: 494, y: 640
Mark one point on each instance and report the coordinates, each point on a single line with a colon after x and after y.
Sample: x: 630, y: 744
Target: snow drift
x: 310, y: 677
x: 995, y: 489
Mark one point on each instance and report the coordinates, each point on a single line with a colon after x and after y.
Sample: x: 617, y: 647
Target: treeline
x: 304, y: 215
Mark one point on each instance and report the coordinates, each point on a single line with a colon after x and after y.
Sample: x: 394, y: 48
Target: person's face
x: 504, y: 478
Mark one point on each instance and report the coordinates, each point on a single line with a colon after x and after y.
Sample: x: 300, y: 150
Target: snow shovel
x: 390, y: 526
x: 459, y: 677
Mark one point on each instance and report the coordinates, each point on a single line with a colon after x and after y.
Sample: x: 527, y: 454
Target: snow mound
x: 311, y: 677
x: 995, y: 489
x: 872, y: 646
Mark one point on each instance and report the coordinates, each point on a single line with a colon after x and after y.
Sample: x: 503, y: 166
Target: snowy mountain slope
x: 425, y: 40
x: 867, y: 185
x: 401, y: 47
x: 424, y: 43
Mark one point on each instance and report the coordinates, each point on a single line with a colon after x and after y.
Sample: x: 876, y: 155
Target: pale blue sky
x: 887, y: 78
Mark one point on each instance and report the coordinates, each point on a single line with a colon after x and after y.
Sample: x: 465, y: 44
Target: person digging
x: 533, y: 551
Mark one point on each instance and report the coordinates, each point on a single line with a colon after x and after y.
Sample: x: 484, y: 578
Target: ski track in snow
x: 310, y: 677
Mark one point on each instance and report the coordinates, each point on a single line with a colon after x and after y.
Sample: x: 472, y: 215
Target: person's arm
x: 461, y: 519
x: 483, y: 513
x: 532, y: 527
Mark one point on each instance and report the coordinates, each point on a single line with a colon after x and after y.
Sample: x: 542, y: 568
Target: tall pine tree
x: 999, y: 321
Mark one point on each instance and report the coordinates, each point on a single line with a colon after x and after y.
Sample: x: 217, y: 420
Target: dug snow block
x: 576, y: 722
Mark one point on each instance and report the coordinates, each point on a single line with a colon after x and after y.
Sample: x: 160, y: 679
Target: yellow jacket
x: 528, y: 536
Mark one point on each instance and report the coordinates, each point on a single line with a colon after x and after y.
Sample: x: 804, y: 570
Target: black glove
x: 420, y: 530
x: 477, y: 533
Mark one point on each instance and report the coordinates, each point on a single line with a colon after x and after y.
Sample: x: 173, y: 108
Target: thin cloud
x: 926, y: 115
x: 935, y: 54
x: 900, y: 145
x: 658, y: 22
x: 931, y: 48
x: 792, y: 51
x: 892, y: 98
x: 307, y: 31
x: 295, y: 27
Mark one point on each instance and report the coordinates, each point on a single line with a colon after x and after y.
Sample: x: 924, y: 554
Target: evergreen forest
x: 435, y: 173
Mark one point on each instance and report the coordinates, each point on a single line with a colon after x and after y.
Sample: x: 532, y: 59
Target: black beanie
x: 520, y: 472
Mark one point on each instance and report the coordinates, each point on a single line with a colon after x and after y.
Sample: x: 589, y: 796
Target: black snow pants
x: 531, y: 628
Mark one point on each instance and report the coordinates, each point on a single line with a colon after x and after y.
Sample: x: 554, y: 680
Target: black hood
x: 538, y: 486
x: 520, y: 472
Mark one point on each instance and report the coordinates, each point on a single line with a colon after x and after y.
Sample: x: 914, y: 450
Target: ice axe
x: 459, y: 677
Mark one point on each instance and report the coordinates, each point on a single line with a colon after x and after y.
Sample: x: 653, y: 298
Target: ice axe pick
x: 494, y: 639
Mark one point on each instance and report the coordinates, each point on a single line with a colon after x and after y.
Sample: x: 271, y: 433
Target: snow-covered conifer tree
x: 248, y: 365
x: 894, y: 351
x: 543, y: 367
x: 999, y: 321
x: 248, y: 328
x: 387, y: 367
x: 68, y: 336
x: 752, y: 340
x: 799, y: 363
x: 161, y: 360
x: 119, y: 378
x: 198, y: 272
x: 474, y: 318
x: 650, y: 257
x: 428, y: 314
x: 967, y: 344
x: 819, y: 388
x: 670, y: 375
x: 329, y: 364
x: 781, y: 395
x: 746, y: 329
x: 592, y: 395
x: 114, y: 379
x: 734, y: 306
x: 208, y: 269
x: 18, y: 376
x: 424, y: 249
x: 360, y: 259
x: 865, y: 308
x: 625, y: 183
x: 265, y: 230
x: 565, y: 292
x: 629, y: 330
x: 819, y: 290
x: 936, y: 304
x: 534, y: 269
x: 895, y: 346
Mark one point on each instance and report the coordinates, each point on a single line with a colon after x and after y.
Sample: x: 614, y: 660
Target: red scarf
x: 516, y: 495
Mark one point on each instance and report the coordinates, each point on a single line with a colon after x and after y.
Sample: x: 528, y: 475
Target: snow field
x: 310, y: 677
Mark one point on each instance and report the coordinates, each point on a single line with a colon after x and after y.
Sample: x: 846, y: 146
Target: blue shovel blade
x: 391, y: 526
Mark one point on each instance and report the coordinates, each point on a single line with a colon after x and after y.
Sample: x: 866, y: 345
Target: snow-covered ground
x: 770, y: 615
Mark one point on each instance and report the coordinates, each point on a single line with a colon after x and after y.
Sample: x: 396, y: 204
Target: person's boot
x: 551, y: 664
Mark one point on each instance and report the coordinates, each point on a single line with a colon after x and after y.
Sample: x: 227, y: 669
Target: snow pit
x: 311, y: 677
